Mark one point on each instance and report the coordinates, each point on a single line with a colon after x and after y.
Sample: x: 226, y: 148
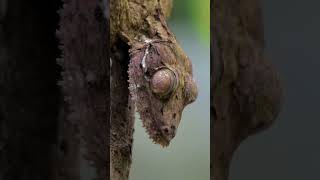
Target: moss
x: 135, y: 18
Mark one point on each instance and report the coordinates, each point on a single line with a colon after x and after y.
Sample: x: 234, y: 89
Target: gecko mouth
x: 162, y: 140
x: 160, y: 134
x: 164, y: 135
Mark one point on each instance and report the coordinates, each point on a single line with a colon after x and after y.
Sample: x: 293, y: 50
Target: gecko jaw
x: 156, y: 135
x: 161, y: 141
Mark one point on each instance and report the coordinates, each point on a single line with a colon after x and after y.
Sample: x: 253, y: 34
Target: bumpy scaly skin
x: 153, y: 47
x: 160, y: 115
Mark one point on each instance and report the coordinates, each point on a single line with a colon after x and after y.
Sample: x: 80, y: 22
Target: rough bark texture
x: 85, y: 85
x: 138, y: 26
x: 41, y: 127
x: 122, y: 115
x: 125, y: 16
x: 246, y: 89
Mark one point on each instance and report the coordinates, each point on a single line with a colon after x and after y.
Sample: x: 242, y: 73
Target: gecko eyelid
x: 163, y: 82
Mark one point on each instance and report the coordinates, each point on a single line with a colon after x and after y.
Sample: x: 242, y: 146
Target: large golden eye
x: 163, y: 82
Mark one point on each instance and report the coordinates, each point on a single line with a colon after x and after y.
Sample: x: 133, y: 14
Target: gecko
x: 151, y: 75
x: 160, y: 74
x: 161, y: 84
x: 142, y: 51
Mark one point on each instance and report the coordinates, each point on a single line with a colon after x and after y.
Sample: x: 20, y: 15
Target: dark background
x: 290, y: 149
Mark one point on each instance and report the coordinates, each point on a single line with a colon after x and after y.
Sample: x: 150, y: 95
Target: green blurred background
x: 188, y: 156
x: 195, y: 14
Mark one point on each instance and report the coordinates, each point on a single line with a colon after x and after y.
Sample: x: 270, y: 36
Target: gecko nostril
x: 166, y: 130
x: 174, y: 115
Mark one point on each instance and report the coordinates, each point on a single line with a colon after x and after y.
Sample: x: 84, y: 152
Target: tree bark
x: 43, y: 128
x: 128, y: 17
x: 83, y: 34
x: 247, y: 95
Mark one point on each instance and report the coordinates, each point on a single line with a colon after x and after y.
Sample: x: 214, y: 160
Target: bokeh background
x: 290, y: 149
x: 188, y: 156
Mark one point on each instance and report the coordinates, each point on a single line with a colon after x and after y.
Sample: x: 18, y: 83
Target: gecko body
x: 160, y: 73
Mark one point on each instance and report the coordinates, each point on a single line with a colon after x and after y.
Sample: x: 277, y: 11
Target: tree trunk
x: 246, y: 90
x: 83, y: 34
x: 127, y: 17
x: 29, y: 94
x: 43, y: 129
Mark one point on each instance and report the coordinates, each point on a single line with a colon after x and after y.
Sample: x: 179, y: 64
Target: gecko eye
x: 163, y: 82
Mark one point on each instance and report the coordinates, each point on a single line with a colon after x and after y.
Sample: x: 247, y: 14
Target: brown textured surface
x: 122, y: 114
x: 132, y: 22
x: 160, y: 115
x: 83, y: 36
x: 39, y: 131
x: 246, y: 89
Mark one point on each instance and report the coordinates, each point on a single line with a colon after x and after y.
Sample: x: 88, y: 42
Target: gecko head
x: 162, y: 85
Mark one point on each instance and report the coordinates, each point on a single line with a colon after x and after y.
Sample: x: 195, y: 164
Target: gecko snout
x: 168, y: 132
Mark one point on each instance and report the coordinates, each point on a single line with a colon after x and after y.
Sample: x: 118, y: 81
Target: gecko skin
x: 160, y: 73
x: 161, y: 84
